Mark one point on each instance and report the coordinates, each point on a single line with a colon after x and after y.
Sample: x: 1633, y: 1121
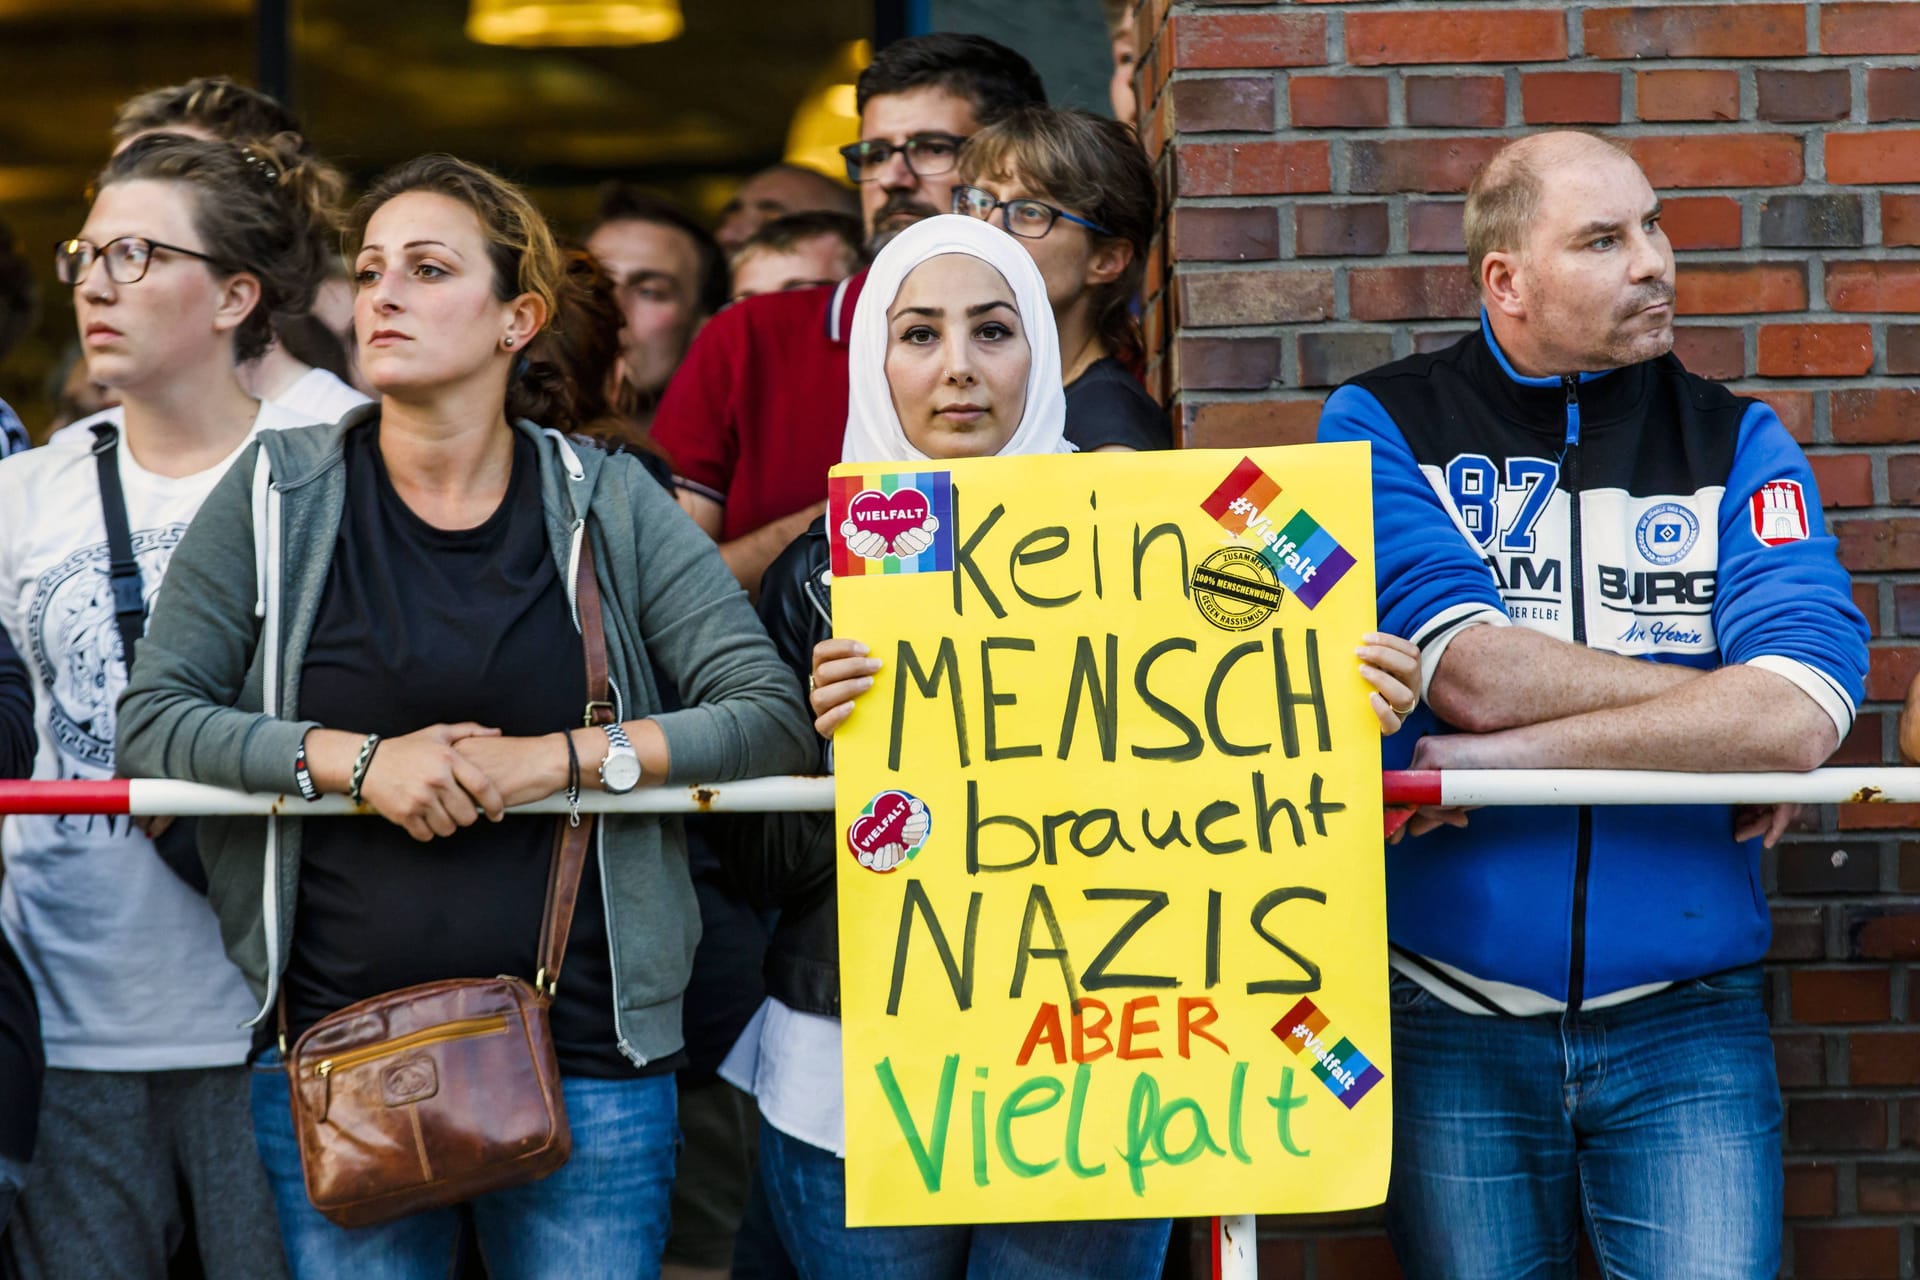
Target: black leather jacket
x: 785, y: 861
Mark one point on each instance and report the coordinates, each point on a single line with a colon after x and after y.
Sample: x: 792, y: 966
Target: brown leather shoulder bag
x: 432, y: 1095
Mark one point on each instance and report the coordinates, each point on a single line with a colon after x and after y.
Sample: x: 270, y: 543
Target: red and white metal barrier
x: 155, y: 797
x: 1235, y: 1248
x: 1234, y: 1242
x: 1630, y: 786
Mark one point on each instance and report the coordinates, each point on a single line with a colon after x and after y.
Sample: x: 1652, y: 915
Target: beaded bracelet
x: 365, y: 758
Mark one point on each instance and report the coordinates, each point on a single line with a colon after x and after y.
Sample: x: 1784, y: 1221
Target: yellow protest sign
x: 1112, y: 914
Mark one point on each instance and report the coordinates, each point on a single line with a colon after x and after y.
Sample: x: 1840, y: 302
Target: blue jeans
x: 602, y: 1214
x: 1655, y: 1123
x: 806, y: 1190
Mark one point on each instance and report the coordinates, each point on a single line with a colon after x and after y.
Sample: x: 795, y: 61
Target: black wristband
x: 302, y: 777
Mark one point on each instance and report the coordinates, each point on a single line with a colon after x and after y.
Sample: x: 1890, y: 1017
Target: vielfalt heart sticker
x: 892, y: 818
x: 889, y: 514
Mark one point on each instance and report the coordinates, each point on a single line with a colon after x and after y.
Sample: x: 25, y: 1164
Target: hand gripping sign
x: 1113, y: 934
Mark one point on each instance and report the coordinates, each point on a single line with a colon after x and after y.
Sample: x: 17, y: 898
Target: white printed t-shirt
x: 126, y: 959
x: 319, y: 396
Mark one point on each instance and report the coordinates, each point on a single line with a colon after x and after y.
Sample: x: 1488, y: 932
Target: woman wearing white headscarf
x: 953, y: 355
x: 875, y: 432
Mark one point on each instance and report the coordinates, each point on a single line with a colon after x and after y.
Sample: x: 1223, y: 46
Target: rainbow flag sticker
x: 1304, y: 556
x: 1341, y: 1067
x: 1306, y: 559
x: 900, y: 522
x: 1241, y: 497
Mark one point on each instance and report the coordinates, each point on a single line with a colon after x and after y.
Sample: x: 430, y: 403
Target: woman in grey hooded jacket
x: 384, y: 607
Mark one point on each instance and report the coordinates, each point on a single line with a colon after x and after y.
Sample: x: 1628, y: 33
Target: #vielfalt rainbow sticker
x: 1341, y: 1067
x: 1305, y: 557
x: 899, y: 522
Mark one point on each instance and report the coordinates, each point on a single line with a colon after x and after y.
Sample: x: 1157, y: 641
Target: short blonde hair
x: 1505, y: 196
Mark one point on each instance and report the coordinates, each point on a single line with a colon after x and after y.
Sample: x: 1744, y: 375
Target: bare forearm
x: 524, y: 768
x: 750, y: 554
x: 1910, y: 725
x: 1493, y: 678
x: 648, y: 743
x: 331, y: 755
x: 1736, y: 719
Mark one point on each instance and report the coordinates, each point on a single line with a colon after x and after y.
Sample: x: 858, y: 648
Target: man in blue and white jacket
x: 1608, y: 563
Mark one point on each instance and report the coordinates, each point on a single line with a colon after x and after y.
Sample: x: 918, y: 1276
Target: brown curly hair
x: 574, y: 360
x: 520, y: 245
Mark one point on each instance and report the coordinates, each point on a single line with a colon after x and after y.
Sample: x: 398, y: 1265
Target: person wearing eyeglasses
x: 303, y: 368
x: 190, y: 248
x: 1075, y: 191
x: 753, y: 418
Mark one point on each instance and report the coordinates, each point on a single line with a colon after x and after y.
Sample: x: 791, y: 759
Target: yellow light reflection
x: 574, y: 22
x: 828, y: 117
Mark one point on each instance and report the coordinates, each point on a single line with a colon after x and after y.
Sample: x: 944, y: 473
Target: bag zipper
x: 1583, y: 830
x: 464, y: 1029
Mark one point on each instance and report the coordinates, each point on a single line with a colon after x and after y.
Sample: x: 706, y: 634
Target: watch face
x: 620, y: 772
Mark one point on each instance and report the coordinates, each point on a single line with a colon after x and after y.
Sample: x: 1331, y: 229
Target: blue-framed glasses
x: 1030, y: 219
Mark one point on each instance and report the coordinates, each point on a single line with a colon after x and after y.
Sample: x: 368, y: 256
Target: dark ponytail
x: 537, y: 391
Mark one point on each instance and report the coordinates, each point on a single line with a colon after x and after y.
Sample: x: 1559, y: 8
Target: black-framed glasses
x: 1031, y: 219
x: 127, y: 258
x: 926, y: 154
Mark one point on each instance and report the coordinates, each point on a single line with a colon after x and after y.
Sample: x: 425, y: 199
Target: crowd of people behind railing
x: 394, y: 459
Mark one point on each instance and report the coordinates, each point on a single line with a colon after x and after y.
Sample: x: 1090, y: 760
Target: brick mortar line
x: 1784, y: 62
x: 1190, y: 7
x: 1782, y: 256
x: 1267, y: 199
x: 1814, y: 132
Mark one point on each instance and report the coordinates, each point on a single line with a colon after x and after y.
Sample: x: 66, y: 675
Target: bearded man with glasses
x: 754, y: 417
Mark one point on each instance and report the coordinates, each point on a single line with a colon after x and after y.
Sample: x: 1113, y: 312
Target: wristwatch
x: 620, y: 771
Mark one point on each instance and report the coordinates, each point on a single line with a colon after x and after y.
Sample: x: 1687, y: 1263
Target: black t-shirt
x: 1107, y: 405
x: 421, y: 626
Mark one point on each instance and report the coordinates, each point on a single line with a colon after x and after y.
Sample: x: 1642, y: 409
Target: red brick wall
x: 1313, y: 157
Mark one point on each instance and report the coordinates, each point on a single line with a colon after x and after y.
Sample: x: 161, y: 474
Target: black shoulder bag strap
x: 123, y: 571
x: 178, y: 845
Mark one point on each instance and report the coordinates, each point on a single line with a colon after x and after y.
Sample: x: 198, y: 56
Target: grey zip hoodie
x: 215, y: 695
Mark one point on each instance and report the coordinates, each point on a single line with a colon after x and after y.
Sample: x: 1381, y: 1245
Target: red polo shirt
x: 755, y: 414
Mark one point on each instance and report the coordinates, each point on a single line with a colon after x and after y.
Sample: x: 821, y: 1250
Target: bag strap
x: 593, y: 637
x: 123, y: 571
x: 570, y: 843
